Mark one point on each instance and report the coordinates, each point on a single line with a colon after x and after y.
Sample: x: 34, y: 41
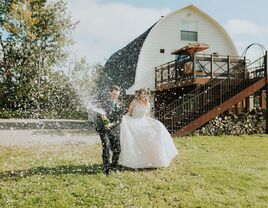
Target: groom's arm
x: 119, y: 116
x: 98, y: 122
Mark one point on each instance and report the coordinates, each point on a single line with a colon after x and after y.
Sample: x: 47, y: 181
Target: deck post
x: 211, y: 65
x: 168, y: 73
x: 228, y: 66
x: 262, y: 99
x: 245, y: 69
x: 193, y: 67
x: 155, y: 78
x: 161, y: 76
x: 266, y: 88
x: 176, y: 71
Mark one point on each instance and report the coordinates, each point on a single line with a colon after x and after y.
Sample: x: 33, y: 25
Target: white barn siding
x: 166, y: 34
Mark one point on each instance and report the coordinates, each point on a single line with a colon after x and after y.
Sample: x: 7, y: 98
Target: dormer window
x: 188, y: 30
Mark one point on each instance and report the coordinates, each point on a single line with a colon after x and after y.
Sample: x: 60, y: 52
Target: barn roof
x: 120, y: 68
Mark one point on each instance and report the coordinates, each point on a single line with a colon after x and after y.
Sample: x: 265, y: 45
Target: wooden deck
x: 186, y: 101
x: 194, y: 70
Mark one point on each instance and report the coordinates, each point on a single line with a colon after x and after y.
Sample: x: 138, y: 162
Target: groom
x: 108, y: 127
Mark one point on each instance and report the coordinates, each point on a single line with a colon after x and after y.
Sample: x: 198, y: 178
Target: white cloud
x: 105, y: 28
x: 238, y: 27
x: 244, y: 33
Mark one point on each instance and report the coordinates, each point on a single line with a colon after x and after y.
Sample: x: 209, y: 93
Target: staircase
x: 215, y: 97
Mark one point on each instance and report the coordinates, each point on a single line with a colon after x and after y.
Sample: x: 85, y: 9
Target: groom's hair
x: 115, y: 87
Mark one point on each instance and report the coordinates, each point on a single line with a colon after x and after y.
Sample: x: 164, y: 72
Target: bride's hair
x: 141, y: 91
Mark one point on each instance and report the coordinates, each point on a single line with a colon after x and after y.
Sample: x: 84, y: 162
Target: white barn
x: 135, y: 63
x: 190, y: 89
x: 174, y: 31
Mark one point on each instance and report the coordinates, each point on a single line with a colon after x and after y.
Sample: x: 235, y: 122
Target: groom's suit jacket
x: 114, y: 112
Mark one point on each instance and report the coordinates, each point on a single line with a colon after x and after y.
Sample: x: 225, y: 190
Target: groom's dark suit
x: 110, y: 138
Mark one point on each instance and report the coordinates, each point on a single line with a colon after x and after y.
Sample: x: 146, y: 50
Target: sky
x: 106, y: 26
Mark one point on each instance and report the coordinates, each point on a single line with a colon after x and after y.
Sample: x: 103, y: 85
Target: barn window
x: 188, y: 35
x: 188, y: 30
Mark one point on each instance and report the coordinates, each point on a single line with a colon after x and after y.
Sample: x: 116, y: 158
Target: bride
x: 145, y: 142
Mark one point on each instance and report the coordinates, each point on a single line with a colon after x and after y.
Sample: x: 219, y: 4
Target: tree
x: 33, y: 36
x: 58, y: 98
x: 85, y: 79
x: 36, y: 30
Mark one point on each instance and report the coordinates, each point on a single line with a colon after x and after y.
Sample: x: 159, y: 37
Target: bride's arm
x: 131, y: 107
x: 148, y: 110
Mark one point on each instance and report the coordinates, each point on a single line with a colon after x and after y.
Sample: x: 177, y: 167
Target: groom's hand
x: 111, y: 125
x: 108, y: 126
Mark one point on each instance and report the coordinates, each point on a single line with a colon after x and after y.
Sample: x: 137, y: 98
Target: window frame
x: 189, y: 34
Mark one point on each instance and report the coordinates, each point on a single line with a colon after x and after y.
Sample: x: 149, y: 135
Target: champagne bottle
x: 105, y: 121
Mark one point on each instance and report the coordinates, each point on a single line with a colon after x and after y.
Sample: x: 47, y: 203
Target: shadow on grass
x: 59, y: 170
x: 123, y: 169
x: 65, y: 169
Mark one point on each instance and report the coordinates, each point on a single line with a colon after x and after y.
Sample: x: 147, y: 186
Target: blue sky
x: 108, y: 25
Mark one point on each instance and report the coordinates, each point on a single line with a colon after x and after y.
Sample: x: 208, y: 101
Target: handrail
x: 208, y: 96
x: 227, y: 78
x: 195, y: 91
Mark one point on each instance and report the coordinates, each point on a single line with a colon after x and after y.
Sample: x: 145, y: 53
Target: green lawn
x: 209, y: 172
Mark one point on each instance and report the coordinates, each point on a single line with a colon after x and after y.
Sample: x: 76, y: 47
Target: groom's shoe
x: 107, y: 172
x: 115, y: 167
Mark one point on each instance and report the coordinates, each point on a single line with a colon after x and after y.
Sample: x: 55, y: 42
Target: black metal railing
x: 183, y: 98
x: 212, y: 95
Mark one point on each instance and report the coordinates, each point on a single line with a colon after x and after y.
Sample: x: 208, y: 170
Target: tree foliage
x: 85, y: 79
x: 33, y: 37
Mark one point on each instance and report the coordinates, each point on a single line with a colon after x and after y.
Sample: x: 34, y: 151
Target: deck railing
x: 194, y: 66
x: 202, y: 100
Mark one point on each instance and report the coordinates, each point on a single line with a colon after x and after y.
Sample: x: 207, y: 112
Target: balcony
x: 190, y: 68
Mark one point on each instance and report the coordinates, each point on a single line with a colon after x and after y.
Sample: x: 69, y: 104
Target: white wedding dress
x: 145, y: 142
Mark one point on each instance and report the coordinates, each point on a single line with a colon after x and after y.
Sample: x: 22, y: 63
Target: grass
x: 209, y: 172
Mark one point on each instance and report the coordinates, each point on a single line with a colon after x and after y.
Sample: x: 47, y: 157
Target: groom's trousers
x: 110, y: 141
